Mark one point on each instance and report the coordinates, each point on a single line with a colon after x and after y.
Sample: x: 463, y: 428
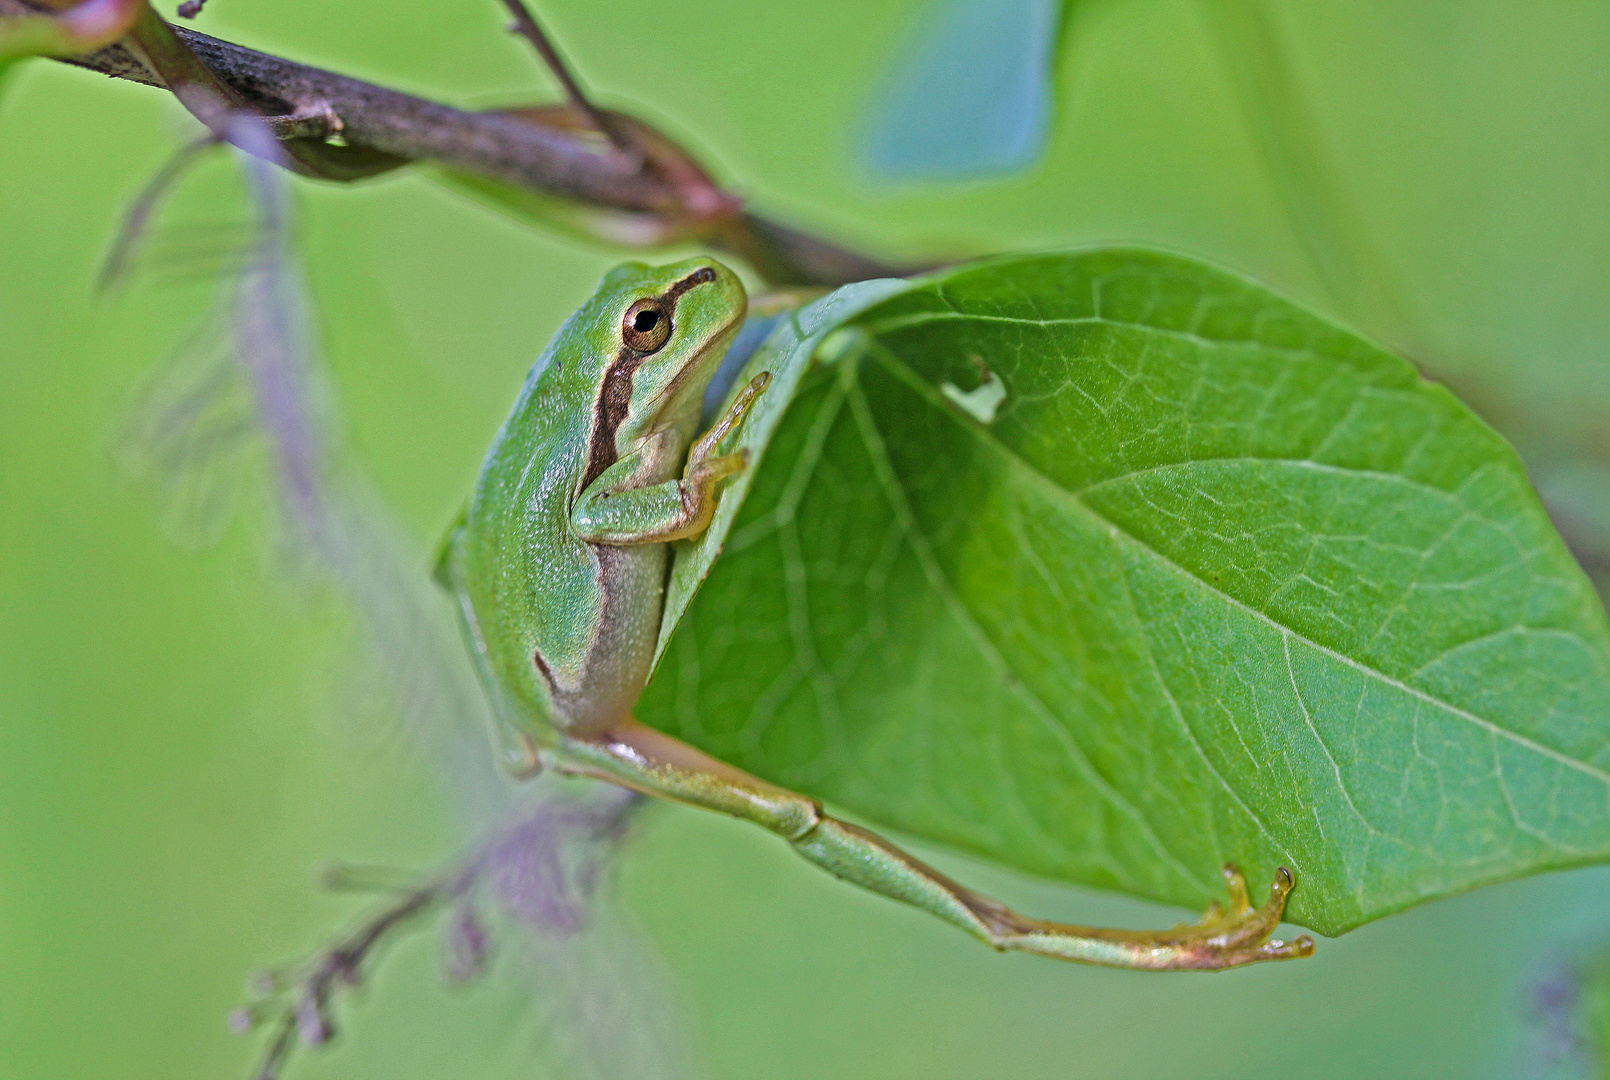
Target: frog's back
x: 564, y: 630
x: 536, y: 591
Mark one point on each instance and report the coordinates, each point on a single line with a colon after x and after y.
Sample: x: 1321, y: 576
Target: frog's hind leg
x: 649, y: 761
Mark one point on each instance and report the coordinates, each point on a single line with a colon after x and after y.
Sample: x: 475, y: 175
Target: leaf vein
x: 884, y: 471
x: 904, y: 372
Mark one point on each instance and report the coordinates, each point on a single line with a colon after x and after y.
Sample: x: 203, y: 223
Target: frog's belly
x: 599, y: 686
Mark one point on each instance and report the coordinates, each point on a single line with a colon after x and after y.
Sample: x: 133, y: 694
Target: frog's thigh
x: 650, y: 761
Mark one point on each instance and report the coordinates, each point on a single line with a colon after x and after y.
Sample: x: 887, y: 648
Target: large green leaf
x: 1214, y: 581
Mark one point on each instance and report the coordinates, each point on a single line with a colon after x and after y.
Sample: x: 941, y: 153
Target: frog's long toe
x: 1240, y: 934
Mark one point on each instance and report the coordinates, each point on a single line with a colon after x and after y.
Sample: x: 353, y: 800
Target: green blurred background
x: 186, y: 735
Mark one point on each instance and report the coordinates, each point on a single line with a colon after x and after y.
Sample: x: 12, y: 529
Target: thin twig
x: 520, y: 865
x: 384, y: 129
x: 299, y: 1005
x: 209, y: 99
x: 525, y: 24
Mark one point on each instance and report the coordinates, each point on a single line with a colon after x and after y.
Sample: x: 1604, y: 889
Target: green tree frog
x: 559, y: 567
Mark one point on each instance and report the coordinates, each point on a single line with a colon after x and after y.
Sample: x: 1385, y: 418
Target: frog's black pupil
x: 645, y: 321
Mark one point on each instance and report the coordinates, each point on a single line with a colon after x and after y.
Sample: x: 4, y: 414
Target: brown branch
x: 152, y: 44
x: 383, y: 128
x: 406, y: 126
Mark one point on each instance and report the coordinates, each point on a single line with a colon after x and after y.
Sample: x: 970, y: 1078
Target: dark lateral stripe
x: 609, y: 412
x: 615, y: 394
x: 545, y: 670
x: 702, y: 276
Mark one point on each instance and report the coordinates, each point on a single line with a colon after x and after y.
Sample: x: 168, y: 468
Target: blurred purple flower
x: 543, y: 867
x: 542, y: 859
x: 468, y: 944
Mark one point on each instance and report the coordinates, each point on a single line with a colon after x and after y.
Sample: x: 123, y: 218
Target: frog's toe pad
x: 1240, y: 934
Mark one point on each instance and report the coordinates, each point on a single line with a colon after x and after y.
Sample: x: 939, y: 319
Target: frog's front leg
x: 617, y: 508
x: 652, y: 762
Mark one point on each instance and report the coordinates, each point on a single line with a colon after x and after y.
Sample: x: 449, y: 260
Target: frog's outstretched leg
x: 639, y: 757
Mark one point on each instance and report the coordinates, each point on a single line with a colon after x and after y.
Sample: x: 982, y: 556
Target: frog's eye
x: 646, y: 326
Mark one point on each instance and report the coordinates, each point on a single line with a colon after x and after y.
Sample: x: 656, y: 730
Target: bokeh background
x: 187, y: 733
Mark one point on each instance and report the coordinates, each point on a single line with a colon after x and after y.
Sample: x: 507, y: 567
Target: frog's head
x: 669, y: 327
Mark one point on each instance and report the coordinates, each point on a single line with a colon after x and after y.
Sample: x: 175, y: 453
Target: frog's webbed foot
x: 1240, y: 911
x: 1223, y: 937
x: 706, y: 468
x: 706, y: 473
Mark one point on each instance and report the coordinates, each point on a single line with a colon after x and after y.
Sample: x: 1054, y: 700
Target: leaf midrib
x: 982, y: 641
x: 928, y: 393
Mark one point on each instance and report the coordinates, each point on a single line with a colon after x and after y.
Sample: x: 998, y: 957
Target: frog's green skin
x: 559, y: 568
x: 553, y: 558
